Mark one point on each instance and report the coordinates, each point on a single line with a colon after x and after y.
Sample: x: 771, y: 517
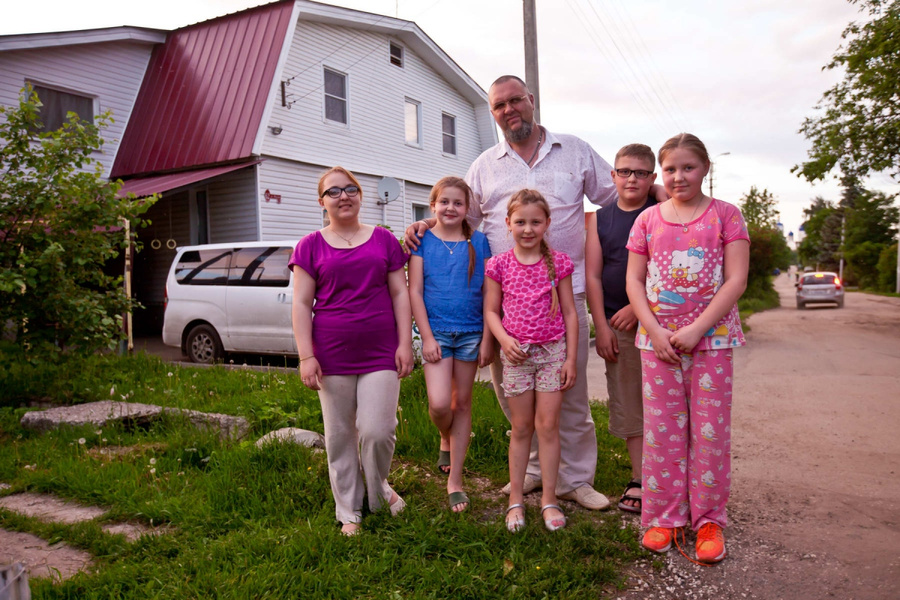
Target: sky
x: 741, y: 75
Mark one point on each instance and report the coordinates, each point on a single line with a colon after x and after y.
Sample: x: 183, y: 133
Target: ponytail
x: 467, y: 231
x: 551, y: 272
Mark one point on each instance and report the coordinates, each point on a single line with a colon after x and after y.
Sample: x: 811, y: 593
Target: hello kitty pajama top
x: 686, y: 462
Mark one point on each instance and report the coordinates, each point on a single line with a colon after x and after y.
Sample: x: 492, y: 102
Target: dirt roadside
x: 815, y: 506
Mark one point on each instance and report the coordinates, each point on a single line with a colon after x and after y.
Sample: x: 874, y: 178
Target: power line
x: 635, y: 94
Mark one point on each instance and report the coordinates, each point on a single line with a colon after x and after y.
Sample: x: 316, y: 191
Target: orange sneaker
x: 658, y: 539
x: 710, y: 543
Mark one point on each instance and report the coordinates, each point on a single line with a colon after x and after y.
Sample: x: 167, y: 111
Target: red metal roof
x: 145, y: 186
x: 204, y: 93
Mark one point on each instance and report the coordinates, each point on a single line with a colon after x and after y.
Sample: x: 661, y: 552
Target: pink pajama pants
x: 687, y: 439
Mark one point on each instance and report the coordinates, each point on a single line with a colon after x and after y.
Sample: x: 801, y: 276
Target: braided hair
x: 460, y: 184
x: 525, y: 197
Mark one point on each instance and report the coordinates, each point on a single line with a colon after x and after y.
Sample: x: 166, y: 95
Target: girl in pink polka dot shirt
x: 530, y: 308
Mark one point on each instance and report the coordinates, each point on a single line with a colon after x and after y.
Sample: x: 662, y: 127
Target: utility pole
x: 712, y: 164
x: 531, y: 55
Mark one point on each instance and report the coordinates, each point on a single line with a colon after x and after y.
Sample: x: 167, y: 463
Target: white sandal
x: 518, y: 523
x: 553, y: 524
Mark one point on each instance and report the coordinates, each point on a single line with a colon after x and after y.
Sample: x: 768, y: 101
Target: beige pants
x: 577, y: 434
x: 623, y: 383
x: 360, y: 417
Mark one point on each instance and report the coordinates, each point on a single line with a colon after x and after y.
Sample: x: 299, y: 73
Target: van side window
x: 203, y: 267
x: 261, y: 267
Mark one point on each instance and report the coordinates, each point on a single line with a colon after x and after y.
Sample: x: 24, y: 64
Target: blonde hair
x: 524, y: 198
x: 688, y: 141
x: 460, y: 184
x: 342, y: 170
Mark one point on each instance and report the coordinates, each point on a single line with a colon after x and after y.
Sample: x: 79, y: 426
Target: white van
x: 230, y: 298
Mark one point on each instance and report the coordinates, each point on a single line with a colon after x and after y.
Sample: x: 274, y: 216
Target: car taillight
x: 799, y: 286
x: 837, y: 282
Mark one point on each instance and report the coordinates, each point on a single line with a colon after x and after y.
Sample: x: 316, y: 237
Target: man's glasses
x: 335, y: 192
x: 515, y: 101
x: 626, y: 173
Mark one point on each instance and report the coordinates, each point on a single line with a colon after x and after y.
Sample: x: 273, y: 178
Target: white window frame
x: 407, y: 104
x: 391, y: 57
x: 68, y: 91
x: 453, y: 135
x: 426, y: 211
x: 345, y: 99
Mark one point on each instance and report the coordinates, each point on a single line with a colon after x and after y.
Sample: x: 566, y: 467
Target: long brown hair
x: 524, y: 198
x: 460, y: 184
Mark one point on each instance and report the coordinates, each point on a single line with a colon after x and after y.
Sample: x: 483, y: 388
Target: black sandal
x: 443, y: 461
x: 632, y: 508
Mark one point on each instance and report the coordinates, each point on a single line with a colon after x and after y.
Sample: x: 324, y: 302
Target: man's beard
x: 519, y: 135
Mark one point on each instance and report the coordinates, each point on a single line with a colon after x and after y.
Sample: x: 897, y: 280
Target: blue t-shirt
x: 454, y: 303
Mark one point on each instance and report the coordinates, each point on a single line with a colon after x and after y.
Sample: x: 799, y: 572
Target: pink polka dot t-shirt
x: 526, y: 296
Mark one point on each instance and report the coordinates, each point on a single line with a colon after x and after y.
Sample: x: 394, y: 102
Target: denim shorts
x: 461, y: 345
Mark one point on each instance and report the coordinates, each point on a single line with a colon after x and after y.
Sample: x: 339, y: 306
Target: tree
x: 859, y: 128
x: 869, y: 228
x: 60, y: 222
x: 768, y: 248
x: 822, y: 242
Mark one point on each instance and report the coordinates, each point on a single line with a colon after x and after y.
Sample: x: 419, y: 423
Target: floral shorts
x: 540, y: 372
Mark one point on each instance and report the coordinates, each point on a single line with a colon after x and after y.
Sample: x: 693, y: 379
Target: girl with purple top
x: 446, y: 275
x: 357, y: 347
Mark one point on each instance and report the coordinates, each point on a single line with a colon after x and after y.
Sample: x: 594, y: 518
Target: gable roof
x: 207, y: 89
x: 29, y: 41
x: 205, y: 93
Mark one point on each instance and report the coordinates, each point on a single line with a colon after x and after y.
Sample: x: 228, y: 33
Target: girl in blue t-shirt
x: 446, y: 276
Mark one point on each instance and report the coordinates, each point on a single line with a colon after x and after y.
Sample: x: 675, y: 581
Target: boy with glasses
x: 606, y: 261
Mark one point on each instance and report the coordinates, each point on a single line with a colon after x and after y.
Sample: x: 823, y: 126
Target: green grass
x: 259, y: 523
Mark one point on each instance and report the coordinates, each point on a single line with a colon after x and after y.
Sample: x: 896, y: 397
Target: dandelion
x: 98, y: 432
x: 472, y: 435
x: 153, y: 471
x: 103, y: 440
x: 309, y: 468
x: 508, y: 433
x: 152, y: 461
x: 538, y: 567
x: 180, y: 473
x: 170, y: 373
x: 81, y: 441
x: 112, y: 391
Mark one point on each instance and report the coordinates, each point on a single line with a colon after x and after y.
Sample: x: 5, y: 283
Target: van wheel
x: 203, y: 345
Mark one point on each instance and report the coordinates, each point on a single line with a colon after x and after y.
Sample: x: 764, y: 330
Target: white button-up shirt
x: 567, y: 170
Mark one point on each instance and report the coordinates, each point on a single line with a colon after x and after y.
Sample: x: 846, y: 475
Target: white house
x: 233, y: 119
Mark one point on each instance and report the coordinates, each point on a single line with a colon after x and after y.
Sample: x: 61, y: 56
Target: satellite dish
x: 388, y: 190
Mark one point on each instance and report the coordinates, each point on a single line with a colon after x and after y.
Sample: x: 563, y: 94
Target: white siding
x: 233, y: 207
x: 373, y: 141
x: 299, y: 212
x: 110, y: 72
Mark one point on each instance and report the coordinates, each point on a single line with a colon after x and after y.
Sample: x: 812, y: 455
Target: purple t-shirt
x: 353, y: 327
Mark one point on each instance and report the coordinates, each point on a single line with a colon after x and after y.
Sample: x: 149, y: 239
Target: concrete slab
x: 50, y: 508
x: 98, y: 414
x: 59, y: 561
x: 293, y: 435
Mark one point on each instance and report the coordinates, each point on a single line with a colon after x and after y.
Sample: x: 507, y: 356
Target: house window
x: 448, y: 124
x: 413, y: 123
x: 396, y: 54
x: 335, y: 96
x: 420, y: 211
x: 57, y: 105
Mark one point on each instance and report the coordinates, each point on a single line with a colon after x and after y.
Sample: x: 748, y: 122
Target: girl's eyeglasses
x: 335, y: 192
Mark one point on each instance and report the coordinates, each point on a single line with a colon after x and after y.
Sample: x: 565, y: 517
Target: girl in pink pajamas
x: 687, y: 267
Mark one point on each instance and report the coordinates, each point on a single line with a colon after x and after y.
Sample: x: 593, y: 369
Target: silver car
x: 820, y: 287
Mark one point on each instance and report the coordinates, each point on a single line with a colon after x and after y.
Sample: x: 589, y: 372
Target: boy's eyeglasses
x: 515, y: 101
x: 626, y: 173
x: 335, y: 192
